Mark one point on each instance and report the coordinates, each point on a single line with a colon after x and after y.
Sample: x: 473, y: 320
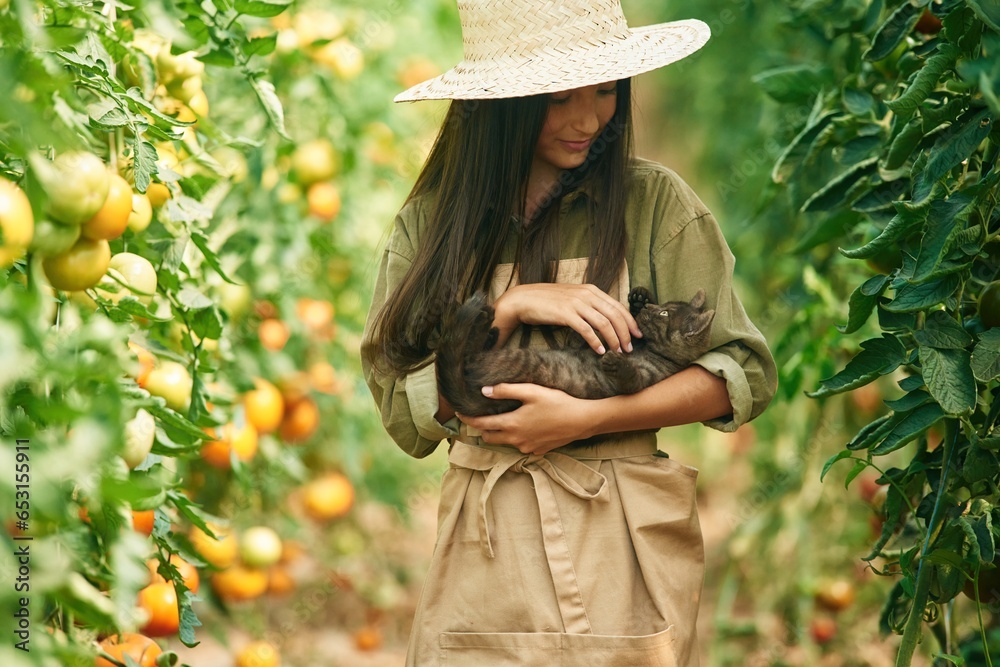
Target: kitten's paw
x: 613, y: 363
x: 491, y: 338
x: 638, y: 298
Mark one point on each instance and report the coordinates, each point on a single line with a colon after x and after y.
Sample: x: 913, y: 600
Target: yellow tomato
x: 79, y: 268
x: 142, y: 212
x: 17, y: 223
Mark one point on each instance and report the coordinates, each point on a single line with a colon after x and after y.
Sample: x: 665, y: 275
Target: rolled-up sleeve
x: 695, y: 256
x: 407, y: 404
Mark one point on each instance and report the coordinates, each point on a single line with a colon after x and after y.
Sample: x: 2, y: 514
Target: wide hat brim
x: 642, y: 50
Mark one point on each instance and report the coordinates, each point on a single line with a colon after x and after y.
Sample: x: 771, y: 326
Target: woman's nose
x: 584, y: 118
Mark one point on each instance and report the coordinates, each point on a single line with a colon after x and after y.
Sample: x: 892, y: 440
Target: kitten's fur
x: 674, y: 334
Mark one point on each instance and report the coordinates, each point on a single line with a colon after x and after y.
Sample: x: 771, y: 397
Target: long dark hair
x: 476, y: 179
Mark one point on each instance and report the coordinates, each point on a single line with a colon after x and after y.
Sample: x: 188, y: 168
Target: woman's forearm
x: 692, y: 395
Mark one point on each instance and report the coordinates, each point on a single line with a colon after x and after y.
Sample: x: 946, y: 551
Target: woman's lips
x: 576, y: 146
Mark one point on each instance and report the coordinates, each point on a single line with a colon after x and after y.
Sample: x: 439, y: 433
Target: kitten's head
x: 678, y: 330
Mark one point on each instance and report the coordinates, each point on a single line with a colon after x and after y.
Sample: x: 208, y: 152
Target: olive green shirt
x: 675, y: 247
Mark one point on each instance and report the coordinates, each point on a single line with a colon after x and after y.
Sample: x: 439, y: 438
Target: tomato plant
x: 899, y: 160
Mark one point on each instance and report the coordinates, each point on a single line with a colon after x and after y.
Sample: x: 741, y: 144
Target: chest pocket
x: 568, y: 272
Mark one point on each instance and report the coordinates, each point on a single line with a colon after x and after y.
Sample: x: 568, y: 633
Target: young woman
x: 565, y: 537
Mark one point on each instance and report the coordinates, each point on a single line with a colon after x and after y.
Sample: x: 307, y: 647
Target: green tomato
x: 77, y: 187
x: 53, y: 238
x: 138, y: 275
x: 172, y: 382
x: 260, y: 547
x: 139, y: 435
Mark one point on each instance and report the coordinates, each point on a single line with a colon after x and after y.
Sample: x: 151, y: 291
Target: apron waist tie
x: 571, y: 474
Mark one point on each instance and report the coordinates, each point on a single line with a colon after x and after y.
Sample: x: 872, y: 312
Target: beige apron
x: 588, y: 556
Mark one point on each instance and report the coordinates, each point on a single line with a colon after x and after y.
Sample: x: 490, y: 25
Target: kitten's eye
x: 664, y: 313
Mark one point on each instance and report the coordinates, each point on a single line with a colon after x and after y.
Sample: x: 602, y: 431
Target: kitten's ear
x: 700, y: 323
x: 699, y: 299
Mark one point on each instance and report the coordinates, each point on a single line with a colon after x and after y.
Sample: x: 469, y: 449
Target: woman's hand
x: 548, y: 418
x: 584, y: 308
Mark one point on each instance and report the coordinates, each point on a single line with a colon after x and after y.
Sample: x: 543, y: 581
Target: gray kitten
x: 674, y: 334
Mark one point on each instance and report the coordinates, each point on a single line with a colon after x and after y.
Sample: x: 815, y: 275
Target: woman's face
x: 574, y: 120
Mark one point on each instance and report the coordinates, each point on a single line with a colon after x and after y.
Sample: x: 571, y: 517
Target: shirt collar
x: 586, y: 190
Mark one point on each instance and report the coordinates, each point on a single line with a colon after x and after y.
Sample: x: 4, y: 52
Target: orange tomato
x: 159, y: 601
x: 368, y: 638
x: 300, y: 422
x: 142, y: 521
x: 239, y: 583
x: 146, y: 362
x: 264, y: 406
x: 219, y: 551
x: 243, y: 442
x: 324, y: 201
x: 279, y: 581
x: 328, y: 497
x: 273, y: 334
x: 258, y: 654
x: 188, y: 572
x: 323, y: 377
x: 314, y: 313
x: 143, y: 650
x: 112, y: 218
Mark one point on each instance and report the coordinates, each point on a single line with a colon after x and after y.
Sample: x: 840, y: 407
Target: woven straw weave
x: 514, y: 48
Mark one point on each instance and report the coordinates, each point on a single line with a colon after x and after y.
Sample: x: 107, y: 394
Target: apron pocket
x: 553, y: 649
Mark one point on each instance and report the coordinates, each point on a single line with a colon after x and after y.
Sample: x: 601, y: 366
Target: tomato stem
x: 912, y: 629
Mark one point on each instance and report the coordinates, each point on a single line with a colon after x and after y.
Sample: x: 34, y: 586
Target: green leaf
x: 188, y: 618
x: 193, y: 299
x: 943, y: 332
x: 136, y: 308
x: 859, y: 467
x: 910, y: 401
x: 143, y: 163
x: 836, y: 190
x: 792, y: 156
x: 272, y: 105
x: 793, y: 83
x: 878, y: 356
x: 987, y: 12
x: 873, y: 432
x: 983, y: 529
x: 925, y: 81
x: 858, y: 102
x: 842, y: 454
x: 909, y: 428
x: 201, y: 241
x: 168, y: 417
x: 986, y: 356
x: 953, y: 145
x: 901, y: 224
x: 261, y: 46
x: 262, y: 8
x: 207, y: 323
x: 910, y: 298
x: 947, y: 218
x: 980, y: 464
x: 949, y: 379
x: 881, y: 196
x: 911, y: 383
x: 862, y: 302
x: 903, y: 144
x: 895, y: 29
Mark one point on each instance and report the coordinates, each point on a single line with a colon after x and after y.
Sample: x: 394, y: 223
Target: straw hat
x: 515, y: 48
